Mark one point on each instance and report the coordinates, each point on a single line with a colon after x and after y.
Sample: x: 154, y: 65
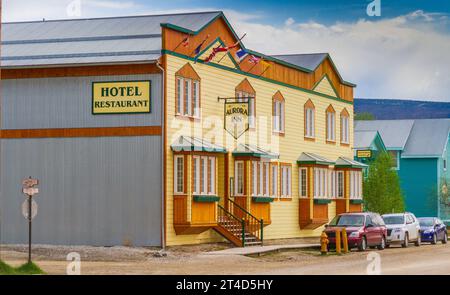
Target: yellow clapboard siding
x: 218, y: 82
x: 325, y: 87
x: 221, y: 58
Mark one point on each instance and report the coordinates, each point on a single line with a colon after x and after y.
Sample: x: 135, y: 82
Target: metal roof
x: 428, y: 138
x: 346, y: 162
x: 307, y: 61
x: 117, y: 39
x: 254, y: 151
x: 394, y: 133
x: 190, y: 144
x: 364, y: 139
x: 308, y: 158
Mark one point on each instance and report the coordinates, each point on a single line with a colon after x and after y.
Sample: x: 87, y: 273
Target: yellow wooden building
x: 287, y: 175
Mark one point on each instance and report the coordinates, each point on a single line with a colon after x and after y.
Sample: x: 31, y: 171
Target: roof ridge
x: 111, y: 17
x: 293, y: 54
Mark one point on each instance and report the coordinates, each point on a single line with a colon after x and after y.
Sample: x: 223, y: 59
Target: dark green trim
x: 206, y: 199
x: 322, y: 201
x: 238, y: 71
x: 354, y: 201
x: 253, y: 154
x: 329, y: 81
x: 120, y: 113
x: 314, y: 163
x: 221, y: 43
x: 350, y: 166
x: 262, y: 199
x: 222, y: 15
x: 194, y: 149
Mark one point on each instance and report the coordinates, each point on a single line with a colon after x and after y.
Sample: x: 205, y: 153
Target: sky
x: 402, y: 52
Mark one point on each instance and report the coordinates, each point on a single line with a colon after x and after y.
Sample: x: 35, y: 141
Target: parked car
x: 363, y: 230
x: 432, y: 230
x: 402, y: 228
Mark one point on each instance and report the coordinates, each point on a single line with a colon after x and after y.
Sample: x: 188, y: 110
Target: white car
x: 402, y: 228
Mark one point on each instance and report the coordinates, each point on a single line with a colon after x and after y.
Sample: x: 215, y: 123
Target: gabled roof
x: 428, y: 138
x: 343, y: 162
x: 307, y: 61
x: 394, y: 133
x: 254, y: 151
x: 415, y: 138
x: 365, y: 139
x: 311, y: 158
x: 194, y: 144
x: 94, y: 40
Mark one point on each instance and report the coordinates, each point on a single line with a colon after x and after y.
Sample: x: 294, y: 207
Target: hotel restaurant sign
x: 125, y: 97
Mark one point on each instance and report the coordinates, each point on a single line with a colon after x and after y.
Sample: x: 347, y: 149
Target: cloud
x: 403, y: 57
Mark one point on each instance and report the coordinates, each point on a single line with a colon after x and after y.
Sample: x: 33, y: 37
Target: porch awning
x: 194, y: 144
x: 253, y: 151
x: 343, y: 162
x: 313, y: 159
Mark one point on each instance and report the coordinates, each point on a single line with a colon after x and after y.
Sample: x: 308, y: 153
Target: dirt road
x: 427, y: 259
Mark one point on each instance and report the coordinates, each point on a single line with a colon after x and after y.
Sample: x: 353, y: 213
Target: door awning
x: 247, y: 150
x: 313, y: 159
x: 194, y: 144
x: 343, y: 162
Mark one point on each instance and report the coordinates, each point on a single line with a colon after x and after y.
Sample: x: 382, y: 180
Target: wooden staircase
x: 242, y: 232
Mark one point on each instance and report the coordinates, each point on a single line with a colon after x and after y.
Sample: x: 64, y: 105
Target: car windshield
x: 348, y: 220
x: 426, y: 221
x: 394, y: 219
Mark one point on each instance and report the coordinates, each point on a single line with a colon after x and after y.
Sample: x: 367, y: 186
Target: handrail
x: 240, y: 207
x: 254, y: 226
x: 229, y: 213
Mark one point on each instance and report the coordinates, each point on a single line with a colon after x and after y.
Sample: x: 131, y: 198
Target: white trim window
x: 251, y: 106
x: 274, y: 180
x: 331, y: 126
x: 239, y: 178
x: 278, y: 116
x: 332, y: 187
x: 303, y: 182
x: 345, y: 127
x: 286, y: 181
x: 355, y: 185
x: 178, y: 181
x: 309, y: 128
x: 260, y: 179
x: 320, y: 182
x: 340, y: 184
x: 188, y: 97
x: 204, y: 175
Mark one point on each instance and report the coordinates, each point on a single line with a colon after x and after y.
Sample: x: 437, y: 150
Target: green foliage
x: 364, y: 116
x: 382, y: 192
x: 25, y: 269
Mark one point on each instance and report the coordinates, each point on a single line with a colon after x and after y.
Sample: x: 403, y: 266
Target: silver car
x: 402, y: 228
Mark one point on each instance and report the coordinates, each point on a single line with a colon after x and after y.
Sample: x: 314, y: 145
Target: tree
x: 382, y: 192
x: 364, y: 116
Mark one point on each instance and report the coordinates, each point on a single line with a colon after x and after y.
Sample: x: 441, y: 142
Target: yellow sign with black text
x: 125, y: 97
x: 364, y: 154
x: 236, y: 118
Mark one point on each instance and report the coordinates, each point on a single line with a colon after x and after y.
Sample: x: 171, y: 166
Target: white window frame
x: 202, y: 184
x: 345, y: 129
x: 188, y: 91
x: 320, y: 183
x: 176, y: 181
x: 196, y: 98
x: 259, y: 177
x: 332, y: 184
x: 278, y: 117
x: 302, y: 177
x: 286, y: 181
x: 339, y: 185
x: 251, y: 106
x: 331, y: 126
x: 274, y: 180
x: 180, y: 96
x: 238, y: 177
x: 310, y: 122
x: 356, y: 185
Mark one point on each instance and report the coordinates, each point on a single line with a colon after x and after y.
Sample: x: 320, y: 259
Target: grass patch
x: 25, y: 269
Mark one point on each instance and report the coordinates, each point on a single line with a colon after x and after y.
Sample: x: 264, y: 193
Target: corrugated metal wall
x: 67, y: 103
x: 93, y: 191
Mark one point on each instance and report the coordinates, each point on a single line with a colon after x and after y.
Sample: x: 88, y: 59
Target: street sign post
x: 29, y: 207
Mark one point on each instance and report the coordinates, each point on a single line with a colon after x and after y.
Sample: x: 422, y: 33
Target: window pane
x: 180, y: 96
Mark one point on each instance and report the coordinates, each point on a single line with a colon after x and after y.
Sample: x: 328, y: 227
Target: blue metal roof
x: 307, y: 61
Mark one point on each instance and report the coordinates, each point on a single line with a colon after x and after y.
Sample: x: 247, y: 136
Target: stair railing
x: 254, y: 225
x: 226, y: 217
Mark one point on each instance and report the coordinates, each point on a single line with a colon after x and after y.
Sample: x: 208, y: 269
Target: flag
x: 254, y: 59
x: 241, y: 54
x: 215, y: 51
x: 265, y: 64
x: 185, y: 41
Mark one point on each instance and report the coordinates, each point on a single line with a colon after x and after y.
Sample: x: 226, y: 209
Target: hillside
x: 402, y: 109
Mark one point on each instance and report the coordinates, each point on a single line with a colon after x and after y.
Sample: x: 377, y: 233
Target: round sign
x: 25, y: 210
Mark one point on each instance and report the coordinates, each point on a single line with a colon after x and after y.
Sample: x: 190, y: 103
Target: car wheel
x: 418, y: 241
x: 405, y: 243
x: 382, y: 246
x: 363, y: 245
x: 444, y: 241
x: 434, y: 241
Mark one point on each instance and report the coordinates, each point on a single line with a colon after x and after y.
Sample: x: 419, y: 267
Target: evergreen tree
x: 382, y: 192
